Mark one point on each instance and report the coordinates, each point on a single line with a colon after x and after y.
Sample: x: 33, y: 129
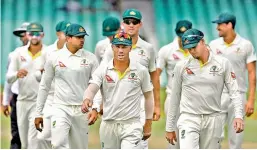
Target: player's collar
x: 235, y: 42
x: 68, y: 53
x: 139, y: 43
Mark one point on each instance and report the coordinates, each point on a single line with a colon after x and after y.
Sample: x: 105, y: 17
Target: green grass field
x: 157, y: 139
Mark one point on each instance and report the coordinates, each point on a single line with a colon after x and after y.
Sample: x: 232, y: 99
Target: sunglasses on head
x: 193, y: 37
x: 35, y: 33
x: 129, y: 21
x: 122, y: 34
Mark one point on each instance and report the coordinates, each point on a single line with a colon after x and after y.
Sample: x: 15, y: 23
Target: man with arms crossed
x: 168, y: 56
x: 143, y: 53
x: 71, y: 69
x: 240, y: 52
x: 58, y: 44
x: 11, y: 91
x: 121, y: 81
x: 23, y: 69
x: 199, y: 82
x: 110, y: 27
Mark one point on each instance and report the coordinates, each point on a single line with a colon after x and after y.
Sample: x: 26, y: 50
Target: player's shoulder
x: 103, y: 42
x: 216, y: 41
x: 220, y: 59
x: 89, y: 54
x: 244, y: 41
x: 145, y: 44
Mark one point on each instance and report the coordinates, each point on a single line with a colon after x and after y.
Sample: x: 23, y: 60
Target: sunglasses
x: 129, y: 21
x: 122, y: 34
x: 34, y: 33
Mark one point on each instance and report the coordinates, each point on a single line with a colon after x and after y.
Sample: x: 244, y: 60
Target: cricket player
x: 23, y: 68
x: 240, y: 52
x: 71, y: 69
x: 122, y: 81
x: 199, y: 82
x: 11, y: 92
x: 143, y: 53
x: 58, y: 44
x: 110, y: 26
x: 168, y: 56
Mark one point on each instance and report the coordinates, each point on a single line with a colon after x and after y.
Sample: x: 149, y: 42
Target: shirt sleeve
x: 175, y: 98
x: 13, y: 68
x: 45, y: 85
x: 153, y: 57
x: 97, y: 52
x: 146, y: 84
x: 161, y: 60
x: 94, y: 66
x: 232, y: 86
x: 97, y: 77
x: 251, y: 54
x: 7, y: 93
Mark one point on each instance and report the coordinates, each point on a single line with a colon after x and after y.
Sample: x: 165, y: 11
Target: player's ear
x: 42, y: 35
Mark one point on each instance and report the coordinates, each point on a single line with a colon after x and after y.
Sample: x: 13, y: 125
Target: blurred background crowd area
x: 159, y: 20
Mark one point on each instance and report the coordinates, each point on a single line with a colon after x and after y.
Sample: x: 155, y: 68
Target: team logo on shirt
x: 214, y: 70
x: 54, y: 123
x: 22, y: 58
x: 218, y: 51
x: 189, y: 71
x: 132, y: 76
x: 109, y: 79
x: 233, y: 75
x: 175, y: 57
x: 61, y: 64
x: 84, y: 62
x: 141, y: 52
x: 238, y: 50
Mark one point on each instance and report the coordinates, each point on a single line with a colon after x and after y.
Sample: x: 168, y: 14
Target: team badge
x: 186, y: 42
x: 84, y: 62
x: 132, y: 13
x: 175, y: 57
x: 132, y: 76
x: 109, y: 79
x: 141, y: 53
x: 107, y: 28
x: 61, y: 64
x: 54, y: 123
x: 189, y: 71
x: 81, y: 29
x: 214, y: 70
x: 218, y: 51
x: 182, y: 29
x: 22, y: 58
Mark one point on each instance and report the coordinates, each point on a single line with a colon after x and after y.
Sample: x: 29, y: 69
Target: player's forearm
x: 172, y: 112
x: 149, y: 104
x: 91, y: 92
x: 7, y: 93
x: 237, y: 102
x: 11, y: 76
x: 156, y: 88
x: 252, y: 85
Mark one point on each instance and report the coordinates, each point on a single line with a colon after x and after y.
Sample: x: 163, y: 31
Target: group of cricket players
x: 62, y: 89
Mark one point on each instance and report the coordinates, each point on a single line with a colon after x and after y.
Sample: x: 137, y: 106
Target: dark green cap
x: 225, y: 18
x: 75, y: 30
x: 122, y: 38
x: 35, y: 27
x: 62, y: 26
x: 110, y: 26
x: 182, y: 26
x: 132, y: 13
x: 191, y: 38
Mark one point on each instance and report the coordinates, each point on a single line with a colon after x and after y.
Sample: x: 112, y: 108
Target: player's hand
x: 39, y: 123
x: 157, y: 113
x: 147, y: 129
x: 92, y: 117
x: 171, y: 137
x: 86, y: 105
x: 238, y: 125
x: 6, y: 111
x: 22, y: 73
x: 249, y: 108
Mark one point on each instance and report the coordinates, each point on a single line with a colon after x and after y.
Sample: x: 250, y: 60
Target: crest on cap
x: 107, y: 28
x: 34, y: 26
x: 81, y: 29
x: 132, y: 13
x: 182, y: 29
x: 121, y: 39
x: 68, y: 24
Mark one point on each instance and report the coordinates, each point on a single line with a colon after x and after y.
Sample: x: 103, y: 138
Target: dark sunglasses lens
x: 134, y: 22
